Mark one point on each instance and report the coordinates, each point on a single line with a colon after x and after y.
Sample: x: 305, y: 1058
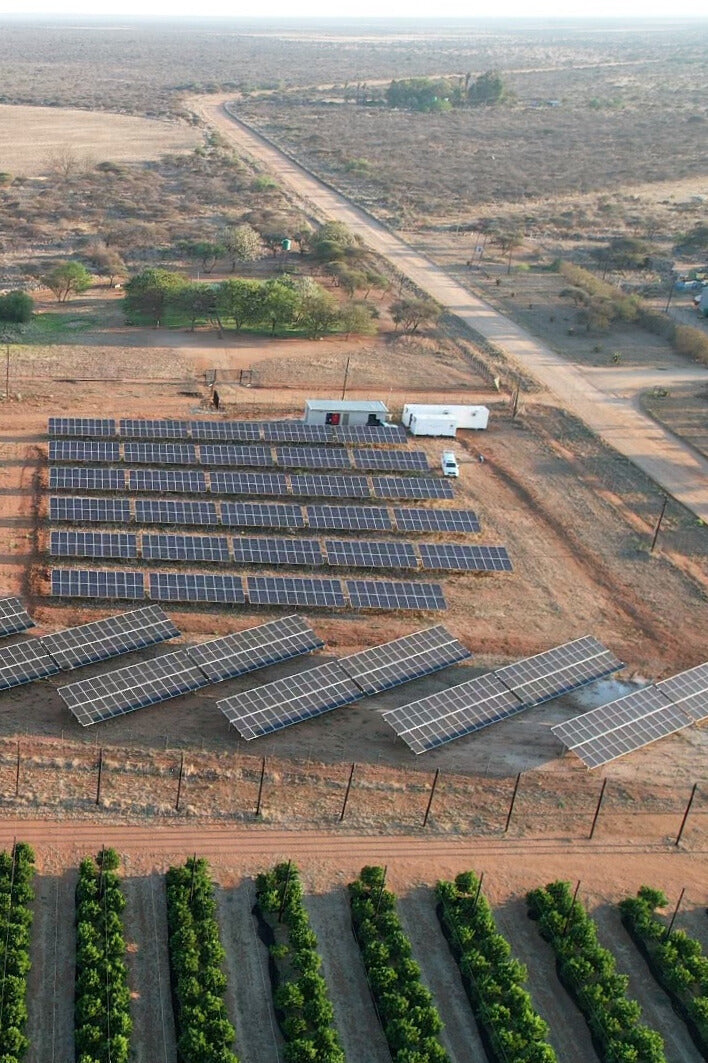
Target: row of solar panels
x: 197, y: 482
x: 224, y: 431
x: 246, y: 550
x: 259, y: 590
x: 661, y: 709
x: 299, y: 696
x: 78, y: 510
x: 13, y: 617
x: 67, y: 450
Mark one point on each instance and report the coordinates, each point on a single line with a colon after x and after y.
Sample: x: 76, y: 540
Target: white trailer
x: 464, y: 416
x: 426, y: 424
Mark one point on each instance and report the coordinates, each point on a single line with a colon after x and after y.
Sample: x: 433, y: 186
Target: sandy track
x: 672, y: 464
x: 145, y: 921
x: 248, y: 996
x: 354, y: 1016
x: 51, y: 983
x: 441, y: 975
x: 569, y: 1034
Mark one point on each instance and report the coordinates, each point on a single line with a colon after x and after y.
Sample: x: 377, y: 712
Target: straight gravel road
x: 672, y: 464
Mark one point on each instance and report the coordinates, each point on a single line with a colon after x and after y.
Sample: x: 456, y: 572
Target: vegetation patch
x: 16, y: 896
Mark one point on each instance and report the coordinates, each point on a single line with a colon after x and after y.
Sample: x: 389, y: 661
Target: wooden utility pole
x: 658, y: 524
x: 679, y: 836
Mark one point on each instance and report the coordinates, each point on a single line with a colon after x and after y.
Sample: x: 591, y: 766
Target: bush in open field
x: 16, y: 896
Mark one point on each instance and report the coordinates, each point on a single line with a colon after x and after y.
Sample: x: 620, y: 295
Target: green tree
x: 281, y: 303
x: 488, y: 88
x: 242, y: 244
x: 318, y: 313
x: 67, y: 278
x: 151, y: 292
x: 16, y: 307
x: 358, y: 319
x: 243, y: 301
x: 410, y: 313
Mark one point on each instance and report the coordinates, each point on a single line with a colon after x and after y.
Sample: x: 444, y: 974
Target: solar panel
x: 93, y: 544
x: 233, y: 454
x: 170, y: 481
x: 227, y: 431
x: 78, y: 427
x: 82, y: 450
x: 160, y: 453
x: 404, y: 659
x: 411, y: 487
x: 261, y: 515
x: 138, y: 685
x: 168, y: 511
x: 196, y: 587
x: 392, y: 594
x: 313, y: 486
x: 80, y: 478
x: 312, y: 457
x: 256, y: 647
x: 103, y: 639
x: 372, y: 553
x: 296, y: 590
x: 161, y: 547
x: 606, y: 718
x: 96, y: 583
x: 349, y: 518
x: 90, y: 510
x: 288, y: 701
x: 453, y: 713
x: 248, y: 483
x: 689, y: 690
x: 396, y: 460
x: 295, y: 432
x: 465, y: 558
x: 391, y: 434
x: 13, y: 616
x: 256, y: 551
x: 548, y: 675
x: 436, y: 520
x: 131, y: 428
x: 23, y: 662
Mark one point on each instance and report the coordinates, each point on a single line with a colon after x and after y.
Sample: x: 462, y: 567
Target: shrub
x: 16, y: 307
x: 16, y: 896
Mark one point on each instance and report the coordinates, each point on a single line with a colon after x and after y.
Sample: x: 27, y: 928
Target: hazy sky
x: 357, y: 8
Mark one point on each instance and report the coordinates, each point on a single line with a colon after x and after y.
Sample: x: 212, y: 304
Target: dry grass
x: 34, y: 139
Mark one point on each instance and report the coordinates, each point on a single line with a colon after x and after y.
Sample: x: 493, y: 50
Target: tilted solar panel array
x: 394, y: 594
x: 168, y: 481
x: 86, y: 478
x: 256, y: 551
x: 103, y: 639
x: 404, y: 659
x: 13, y: 617
x: 93, y: 544
x: 196, y: 587
x: 436, y: 520
x: 160, y: 547
x: 96, y: 583
x: 229, y: 431
x: 373, y: 553
x: 81, y: 427
x: 24, y: 662
x: 280, y: 590
x: 246, y: 651
x: 90, y: 510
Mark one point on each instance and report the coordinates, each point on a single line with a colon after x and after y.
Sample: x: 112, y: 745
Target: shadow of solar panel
x: 23, y: 663
x: 392, y: 594
x: 372, y: 553
x: 349, y: 518
x: 256, y: 551
x: 288, y: 701
x: 90, y: 510
x: 257, y: 647
x: 235, y: 454
x: 395, y: 460
x: 196, y: 587
x: 411, y: 487
x: 248, y: 483
x: 453, y: 713
x: 548, y: 675
x: 103, y: 639
x: 135, y: 687
x: 436, y: 520
x: 452, y: 556
x: 157, y: 547
x: 313, y: 486
x: 78, y: 427
x: 171, y: 481
x: 93, y: 544
x: 295, y: 590
x: 135, y: 428
x: 73, y: 478
x: 168, y: 511
x: 96, y: 583
x: 261, y: 515
x: 689, y: 690
x: 295, y: 432
x: 404, y: 659
x: 13, y: 616
x: 83, y: 450
x: 381, y: 435
x: 160, y: 453
x: 312, y: 457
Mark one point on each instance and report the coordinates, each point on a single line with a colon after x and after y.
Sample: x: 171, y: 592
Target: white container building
x: 346, y: 411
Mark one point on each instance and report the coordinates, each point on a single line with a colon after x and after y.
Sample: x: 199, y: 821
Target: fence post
x: 679, y: 836
x: 17, y: 771
x: 512, y: 802
x: 570, y: 910
x: 673, y: 917
x: 346, y: 795
x: 179, y: 782
x: 597, y: 810
x: 432, y: 795
x: 260, y: 788
x: 100, y: 774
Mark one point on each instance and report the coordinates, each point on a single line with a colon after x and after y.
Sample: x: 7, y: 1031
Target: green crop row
x: 408, y: 1015
x: 589, y: 973
x: 677, y: 960
x: 493, y: 979
x: 196, y: 957
x: 300, y: 992
x: 16, y: 895
x: 102, y: 998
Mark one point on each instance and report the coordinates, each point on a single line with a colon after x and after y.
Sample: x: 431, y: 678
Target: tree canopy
x: 16, y: 307
x: 67, y: 278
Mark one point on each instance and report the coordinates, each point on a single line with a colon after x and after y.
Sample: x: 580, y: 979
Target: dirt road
x: 673, y: 465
